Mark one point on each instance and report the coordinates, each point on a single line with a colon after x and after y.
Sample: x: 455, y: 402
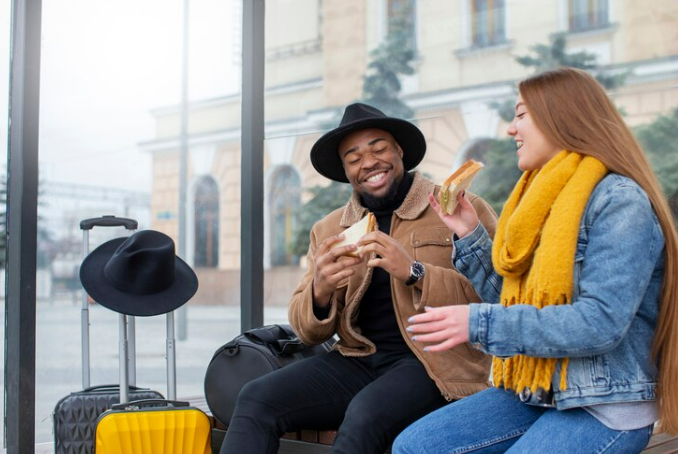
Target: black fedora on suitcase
x: 76, y: 414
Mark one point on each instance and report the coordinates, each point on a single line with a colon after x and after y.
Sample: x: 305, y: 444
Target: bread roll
x: 459, y: 181
x: 356, y: 231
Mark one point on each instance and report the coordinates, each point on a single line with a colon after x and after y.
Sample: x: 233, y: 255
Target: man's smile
x: 376, y: 178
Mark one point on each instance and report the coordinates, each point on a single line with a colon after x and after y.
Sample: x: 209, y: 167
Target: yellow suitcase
x: 153, y: 427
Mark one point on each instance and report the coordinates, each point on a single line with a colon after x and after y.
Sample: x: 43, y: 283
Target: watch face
x: 416, y: 273
x: 418, y: 269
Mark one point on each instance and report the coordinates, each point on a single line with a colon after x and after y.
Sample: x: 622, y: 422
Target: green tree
x: 659, y: 140
x: 554, y: 55
x: 495, y: 182
x: 391, y: 60
x: 325, y: 199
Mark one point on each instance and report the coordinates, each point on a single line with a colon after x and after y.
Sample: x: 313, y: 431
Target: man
x: 376, y: 380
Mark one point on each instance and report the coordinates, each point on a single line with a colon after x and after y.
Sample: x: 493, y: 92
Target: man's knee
x: 366, y: 416
x: 257, y: 390
x: 257, y: 399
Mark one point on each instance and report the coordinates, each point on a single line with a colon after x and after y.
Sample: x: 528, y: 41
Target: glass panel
x: 111, y: 128
x: 460, y: 93
x: 110, y: 141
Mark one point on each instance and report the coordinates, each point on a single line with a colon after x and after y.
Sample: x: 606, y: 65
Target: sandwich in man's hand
x: 459, y: 181
x: 356, y: 231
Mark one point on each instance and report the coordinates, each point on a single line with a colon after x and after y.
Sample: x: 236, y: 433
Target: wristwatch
x: 416, y: 272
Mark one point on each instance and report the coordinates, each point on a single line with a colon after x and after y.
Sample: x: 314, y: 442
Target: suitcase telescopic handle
x: 87, y: 225
x: 138, y: 404
x: 108, y: 221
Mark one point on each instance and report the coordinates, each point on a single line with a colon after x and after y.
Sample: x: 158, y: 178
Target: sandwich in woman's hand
x: 459, y: 181
x: 356, y: 231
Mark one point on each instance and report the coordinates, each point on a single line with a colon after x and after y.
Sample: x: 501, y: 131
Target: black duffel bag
x: 250, y: 355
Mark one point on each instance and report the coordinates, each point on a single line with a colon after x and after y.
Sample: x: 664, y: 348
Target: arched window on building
x: 285, y: 199
x: 206, y: 218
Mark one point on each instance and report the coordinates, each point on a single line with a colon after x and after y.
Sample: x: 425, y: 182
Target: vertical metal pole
x: 132, y: 343
x: 171, y: 359
x: 124, y: 359
x: 132, y: 350
x: 84, y: 320
x: 183, y: 161
x: 22, y: 196
x: 252, y: 170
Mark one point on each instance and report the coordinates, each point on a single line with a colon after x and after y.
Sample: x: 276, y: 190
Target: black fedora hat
x: 324, y: 154
x: 138, y: 275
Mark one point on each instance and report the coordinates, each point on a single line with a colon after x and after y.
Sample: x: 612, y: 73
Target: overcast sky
x: 104, y: 65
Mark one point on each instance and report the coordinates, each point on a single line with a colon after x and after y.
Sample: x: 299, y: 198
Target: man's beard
x: 380, y: 203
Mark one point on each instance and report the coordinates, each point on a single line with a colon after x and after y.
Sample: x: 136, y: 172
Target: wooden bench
x: 320, y: 442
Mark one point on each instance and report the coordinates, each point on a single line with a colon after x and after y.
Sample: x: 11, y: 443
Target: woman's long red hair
x: 572, y: 109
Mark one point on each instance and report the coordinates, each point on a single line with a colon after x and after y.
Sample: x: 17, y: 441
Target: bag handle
x: 280, y: 339
x: 270, y: 334
x: 144, y: 403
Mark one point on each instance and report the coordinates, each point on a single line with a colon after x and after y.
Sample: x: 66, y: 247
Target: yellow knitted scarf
x: 534, y: 249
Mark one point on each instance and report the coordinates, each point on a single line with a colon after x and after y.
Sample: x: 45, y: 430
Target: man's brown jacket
x: 458, y: 372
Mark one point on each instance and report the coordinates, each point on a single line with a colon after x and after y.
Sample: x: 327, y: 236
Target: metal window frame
x: 252, y: 167
x: 22, y: 221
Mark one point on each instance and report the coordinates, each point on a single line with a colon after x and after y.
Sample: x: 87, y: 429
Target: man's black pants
x: 370, y: 400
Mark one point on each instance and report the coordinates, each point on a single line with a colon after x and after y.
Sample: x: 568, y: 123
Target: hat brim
x: 96, y: 285
x: 325, y: 157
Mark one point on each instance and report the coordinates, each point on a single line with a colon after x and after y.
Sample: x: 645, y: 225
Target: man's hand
x: 392, y: 256
x: 445, y: 326
x: 331, y: 266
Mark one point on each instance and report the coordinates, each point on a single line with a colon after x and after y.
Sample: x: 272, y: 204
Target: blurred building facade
x: 317, y: 54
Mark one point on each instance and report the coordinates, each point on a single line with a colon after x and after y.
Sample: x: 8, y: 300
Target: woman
x: 583, y: 266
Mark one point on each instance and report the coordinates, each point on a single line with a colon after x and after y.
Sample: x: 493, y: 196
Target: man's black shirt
x: 376, y: 317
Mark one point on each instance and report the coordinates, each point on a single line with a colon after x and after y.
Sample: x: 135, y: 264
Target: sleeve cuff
x: 464, y: 246
x: 478, y: 324
x: 321, y: 313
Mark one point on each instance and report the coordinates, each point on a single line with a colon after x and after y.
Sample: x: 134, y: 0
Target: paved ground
x: 58, y: 351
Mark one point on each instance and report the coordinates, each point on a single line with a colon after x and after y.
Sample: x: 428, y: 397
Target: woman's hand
x: 445, y: 326
x: 463, y: 221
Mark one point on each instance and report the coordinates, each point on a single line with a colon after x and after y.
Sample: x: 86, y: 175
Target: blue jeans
x: 496, y: 421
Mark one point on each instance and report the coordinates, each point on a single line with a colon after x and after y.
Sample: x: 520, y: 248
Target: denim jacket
x: 608, y: 329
